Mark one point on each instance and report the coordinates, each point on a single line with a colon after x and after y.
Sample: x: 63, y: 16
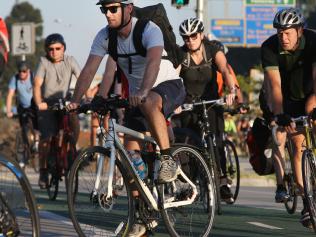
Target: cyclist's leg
x: 281, y: 194
x: 160, y: 102
x: 48, y: 127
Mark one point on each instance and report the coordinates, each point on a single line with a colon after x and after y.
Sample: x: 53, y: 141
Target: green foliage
x: 23, y: 12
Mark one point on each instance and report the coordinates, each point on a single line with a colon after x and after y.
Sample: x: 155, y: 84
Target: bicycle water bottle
x: 139, y: 164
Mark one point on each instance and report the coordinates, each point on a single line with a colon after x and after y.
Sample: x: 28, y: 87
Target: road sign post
x: 23, y: 38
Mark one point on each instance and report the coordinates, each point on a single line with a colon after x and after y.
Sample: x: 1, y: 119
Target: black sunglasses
x: 193, y: 36
x: 112, y: 9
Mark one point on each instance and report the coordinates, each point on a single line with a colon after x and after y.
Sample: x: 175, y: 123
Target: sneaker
x: 43, y: 179
x: 281, y: 195
x: 226, y: 194
x: 168, y: 169
x: 139, y: 229
x: 305, y: 219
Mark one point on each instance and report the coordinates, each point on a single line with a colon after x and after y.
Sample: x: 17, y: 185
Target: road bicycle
x: 207, y: 142
x: 18, y: 209
x: 25, y: 143
x: 288, y: 178
x: 63, y: 150
x: 101, y: 208
x: 309, y: 167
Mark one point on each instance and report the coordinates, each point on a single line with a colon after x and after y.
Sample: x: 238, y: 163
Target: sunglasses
x: 22, y: 71
x: 187, y: 37
x: 54, y: 49
x: 112, y: 9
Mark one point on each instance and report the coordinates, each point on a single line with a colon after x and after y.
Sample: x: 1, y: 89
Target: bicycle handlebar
x: 190, y: 106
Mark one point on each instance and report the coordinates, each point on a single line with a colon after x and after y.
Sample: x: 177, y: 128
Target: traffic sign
x: 228, y: 31
x: 270, y: 2
x: 23, y: 38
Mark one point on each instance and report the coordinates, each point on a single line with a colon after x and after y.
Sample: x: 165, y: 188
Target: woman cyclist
x: 201, y: 61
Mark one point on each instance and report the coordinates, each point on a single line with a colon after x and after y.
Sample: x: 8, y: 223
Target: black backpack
x: 158, y: 15
x: 258, y: 141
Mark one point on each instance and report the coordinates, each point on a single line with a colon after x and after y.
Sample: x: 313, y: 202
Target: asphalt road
x: 254, y: 214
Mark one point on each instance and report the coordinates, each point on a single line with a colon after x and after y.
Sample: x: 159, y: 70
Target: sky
x: 80, y: 20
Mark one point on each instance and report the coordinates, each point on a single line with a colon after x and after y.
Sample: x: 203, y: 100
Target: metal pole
x: 201, y: 13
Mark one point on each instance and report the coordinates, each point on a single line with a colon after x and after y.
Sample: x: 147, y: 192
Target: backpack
x: 158, y: 15
x: 260, y: 147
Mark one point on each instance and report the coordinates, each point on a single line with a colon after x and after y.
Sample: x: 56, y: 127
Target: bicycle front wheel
x: 17, y: 204
x: 309, y: 181
x: 195, y: 219
x: 91, y: 213
x: 232, y: 168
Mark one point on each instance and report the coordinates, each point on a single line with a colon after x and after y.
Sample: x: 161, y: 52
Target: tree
x: 23, y: 12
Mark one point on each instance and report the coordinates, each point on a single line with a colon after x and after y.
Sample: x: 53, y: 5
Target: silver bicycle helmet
x: 288, y: 18
x: 191, y: 26
x: 101, y: 2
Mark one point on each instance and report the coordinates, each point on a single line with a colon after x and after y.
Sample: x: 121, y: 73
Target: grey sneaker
x: 281, y: 195
x: 139, y: 229
x: 168, y: 169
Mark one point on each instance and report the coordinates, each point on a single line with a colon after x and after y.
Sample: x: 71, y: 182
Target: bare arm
x: 108, y: 77
x: 152, y: 68
x: 274, y: 90
x: 153, y: 58
x: 37, y: 93
x: 10, y: 95
x: 86, y: 77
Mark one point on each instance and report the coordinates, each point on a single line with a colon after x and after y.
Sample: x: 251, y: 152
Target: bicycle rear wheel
x: 309, y: 181
x: 17, y: 199
x: 197, y: 218
x: 232, y: 168
x: 291, y: 203
x: 91, y: 213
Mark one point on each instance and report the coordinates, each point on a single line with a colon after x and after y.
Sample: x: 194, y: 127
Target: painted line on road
x: 265, y: 226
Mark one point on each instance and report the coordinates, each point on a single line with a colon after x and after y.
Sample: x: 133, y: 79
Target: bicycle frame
x: 113, y: 142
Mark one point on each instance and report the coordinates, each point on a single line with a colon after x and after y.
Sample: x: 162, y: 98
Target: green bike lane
x: 236, y: 220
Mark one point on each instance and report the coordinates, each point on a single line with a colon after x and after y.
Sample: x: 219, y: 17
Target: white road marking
x: 265, y: 226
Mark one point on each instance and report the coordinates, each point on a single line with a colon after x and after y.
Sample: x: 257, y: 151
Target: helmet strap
x: 122, y: 19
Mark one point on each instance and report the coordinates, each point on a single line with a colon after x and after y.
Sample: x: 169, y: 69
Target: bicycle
x: 63, y: 151
x: 18, y: 209
x: 288, y: 178
x: 309, y: 167
x: 101, y: 208
x: 207, y: 142
x: 26, y: 144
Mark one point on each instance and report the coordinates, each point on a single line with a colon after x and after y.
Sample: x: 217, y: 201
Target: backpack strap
x: 138, y: 36
x: 113, y: 43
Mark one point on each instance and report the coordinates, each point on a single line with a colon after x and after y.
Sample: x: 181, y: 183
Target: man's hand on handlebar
x: 285, y: 121
x: 138, y: 98
x: 42, y: 106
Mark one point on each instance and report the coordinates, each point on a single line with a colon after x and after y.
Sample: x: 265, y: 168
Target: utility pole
x: 202, y: 14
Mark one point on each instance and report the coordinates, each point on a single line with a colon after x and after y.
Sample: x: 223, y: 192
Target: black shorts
x: 172, y: 93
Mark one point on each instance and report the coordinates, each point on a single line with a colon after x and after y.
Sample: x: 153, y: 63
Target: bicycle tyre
x: 53, y: 185
x: 214, y: 168
x: 233, y: 167
x: 199, y: 221
x: 14, y: 183
x: 291, y: 203
x: 71, y: 152
x: 88, y: 215
x: 309, y: 182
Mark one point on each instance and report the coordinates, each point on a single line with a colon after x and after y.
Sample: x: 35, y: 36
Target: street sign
x: 228, y: 31
x: 259, y: 21
x: 23, y: 38
x: 270, y: 2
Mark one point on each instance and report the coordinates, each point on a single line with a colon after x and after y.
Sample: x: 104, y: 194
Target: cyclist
x: 22, y: 84
x: 243, y: 127
x: 289, y: 63
x: 51, y: 82
x: 203, y: 58
x: 155, y: 88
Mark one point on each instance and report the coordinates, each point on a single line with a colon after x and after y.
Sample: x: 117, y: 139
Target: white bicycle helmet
x: 288, y: 18
x: 191, y: 26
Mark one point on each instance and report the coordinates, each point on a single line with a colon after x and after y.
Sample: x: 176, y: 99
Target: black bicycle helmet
x: 101, y: 2
x: 53, y: 39
x: 191, y: 26
x: 288, y: 18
